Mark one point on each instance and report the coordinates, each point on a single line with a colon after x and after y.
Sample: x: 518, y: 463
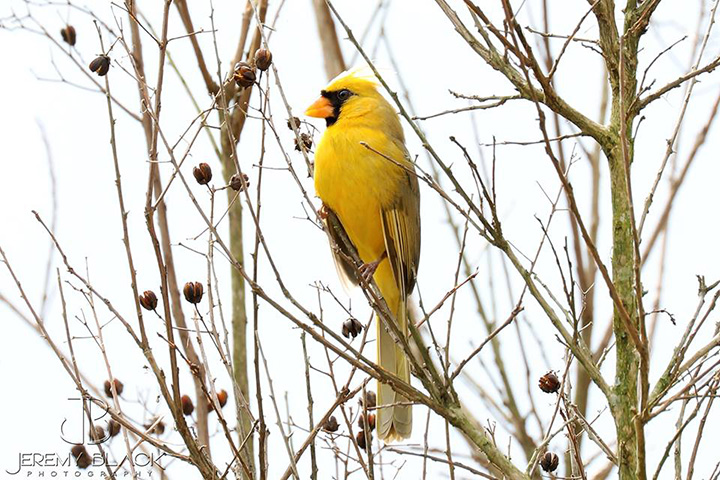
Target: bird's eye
x: 344, y: 95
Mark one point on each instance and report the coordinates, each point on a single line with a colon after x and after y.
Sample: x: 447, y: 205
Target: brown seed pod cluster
x: 293, y: 121
x: 244, y: 75
x: 371, y: 422
x: 193, y: 292
x: 82, y: 457
x: 118, y: 387
x: 187, y: 405
x: 305, y: 143
x: 113, y: 428
x: 263, y: 59
x: 549, y: 383
x: 202, y: 173
x: 100, y: 65
x: 97, y: 434
x: 549, y: 462
x: 351, y: 328
x: 157, y: 429
x: 69, y: 35
x: 222, y: 398
x: 148, y: 300
x: 331, y: 425
x: 363, y: 440
x: 370, y: 398
x: 239, y: 182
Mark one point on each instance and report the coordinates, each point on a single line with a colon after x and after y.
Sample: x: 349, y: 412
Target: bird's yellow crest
x: 360, y: 78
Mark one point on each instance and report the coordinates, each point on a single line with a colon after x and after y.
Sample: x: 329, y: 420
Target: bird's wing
x: 345, y: 270
x: 401, y: 230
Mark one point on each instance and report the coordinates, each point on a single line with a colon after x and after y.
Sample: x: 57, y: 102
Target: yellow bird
x: 377, y: 200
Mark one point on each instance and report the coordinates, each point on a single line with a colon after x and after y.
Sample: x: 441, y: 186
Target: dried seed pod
x: 113, y: 428
x: 101, y: 65
x: 263, y: 59
x: 69, y: 35
x: 549, y: 462
x: 148, y: 300
x: 239, y: 182
x: 331, y: 424
x: 549, y: 383
x: 222, y: 397
x: 187, y: 405
x: 293, y: 121
x: 193, y: 292
x: 97, y: 434
x: 82, y: 457
x: 244, y: 74
x: 306, y: 142
x: 371, y: 400
x: 202, y: 173
x: 362, y: 439
x: 158, y: 429
x: 118, y: 387
x: 371, y: 422
x: 351, y: 327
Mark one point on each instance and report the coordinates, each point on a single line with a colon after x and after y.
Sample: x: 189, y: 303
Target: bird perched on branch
x: 364, y: 175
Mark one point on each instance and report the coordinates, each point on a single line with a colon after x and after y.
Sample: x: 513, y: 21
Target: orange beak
x: 322, y: 108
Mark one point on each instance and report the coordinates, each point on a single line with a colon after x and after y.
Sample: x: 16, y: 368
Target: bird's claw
x: 323, y: 212
x: 367, y: 270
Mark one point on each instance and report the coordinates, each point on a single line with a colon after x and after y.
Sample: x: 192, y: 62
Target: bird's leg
x: 367, y: 270
x: 323, y: 212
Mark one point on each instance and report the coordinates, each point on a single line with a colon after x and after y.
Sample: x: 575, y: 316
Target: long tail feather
x: 395, y: 421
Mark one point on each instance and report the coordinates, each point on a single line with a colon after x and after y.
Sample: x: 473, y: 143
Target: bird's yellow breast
x: 356, y: 183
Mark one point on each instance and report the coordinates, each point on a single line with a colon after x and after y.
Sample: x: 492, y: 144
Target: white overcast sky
x: 431, y: 59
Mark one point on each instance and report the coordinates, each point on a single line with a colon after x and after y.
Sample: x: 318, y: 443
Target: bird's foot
x: 323, y: 212
x: 367, y: 270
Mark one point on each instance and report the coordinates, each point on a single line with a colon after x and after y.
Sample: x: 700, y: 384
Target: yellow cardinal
x: 377, y: 201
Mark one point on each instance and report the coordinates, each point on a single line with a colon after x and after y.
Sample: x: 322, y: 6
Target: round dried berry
x: 69, y: 35
x: 148, y: 300
x: 193, y: 292
x: 187, y: 405
x: 118, y: 387
x: 244, y: 74
x: 549, y: 462
x: 362, y: 439
x: 263, y: 59
x: 101, y: 65
x: 331, y: 424
x: 371, y: 422
x: 549, y: 383
x: 239, y: 182
x: 351, y: 328
x: 202, y: 173
x: 82, y: 457
x: 113, y: 427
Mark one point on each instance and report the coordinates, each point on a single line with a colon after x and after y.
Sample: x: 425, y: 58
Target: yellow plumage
x: 377, y: 201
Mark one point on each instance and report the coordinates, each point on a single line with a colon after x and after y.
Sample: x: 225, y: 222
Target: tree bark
x: 620, y: 153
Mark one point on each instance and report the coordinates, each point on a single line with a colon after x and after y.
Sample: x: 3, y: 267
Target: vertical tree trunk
x: 239, y: 321
x: 626, y: 373
x: 620, y: 158
x: 239, y: 311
